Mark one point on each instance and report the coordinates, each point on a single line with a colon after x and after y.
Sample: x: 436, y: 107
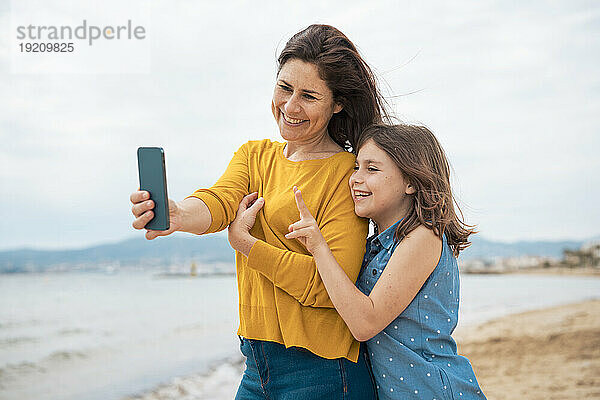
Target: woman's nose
x: 292, y: 105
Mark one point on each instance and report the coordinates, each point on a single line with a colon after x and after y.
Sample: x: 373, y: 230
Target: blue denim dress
x: 415, y: 356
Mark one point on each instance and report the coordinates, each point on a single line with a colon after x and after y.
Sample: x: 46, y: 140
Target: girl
x: 405, y: 302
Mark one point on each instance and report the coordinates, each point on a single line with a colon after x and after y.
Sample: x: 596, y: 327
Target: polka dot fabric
x: 415, y: 356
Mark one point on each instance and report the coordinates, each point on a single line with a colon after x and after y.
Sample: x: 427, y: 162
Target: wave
x: 72, y: 331
x: 220, y: 381
x: 11, y: 371
x: 13, y: 341
x: 199, y: 327
x: 21, y: 340
x: 20, y: 324
x: 64, y: 355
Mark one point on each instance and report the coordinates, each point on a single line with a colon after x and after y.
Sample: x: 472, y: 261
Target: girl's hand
x: 239, y: 230
x: 306, y: 229
x: 142, y: 211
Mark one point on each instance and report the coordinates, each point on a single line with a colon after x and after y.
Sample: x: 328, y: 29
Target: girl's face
x: 302, y: 102
x: 379, y: 190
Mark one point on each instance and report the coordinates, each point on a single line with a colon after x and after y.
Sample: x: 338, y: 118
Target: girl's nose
x: 355, y: 178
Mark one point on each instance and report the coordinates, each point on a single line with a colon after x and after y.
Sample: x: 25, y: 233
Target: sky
x: 510, y: 89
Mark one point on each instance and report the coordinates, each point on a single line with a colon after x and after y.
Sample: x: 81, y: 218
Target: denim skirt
x: 276, y: 373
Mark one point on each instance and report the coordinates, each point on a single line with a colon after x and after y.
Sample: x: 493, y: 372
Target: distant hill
x: 171, y: 250
x: 487, y: 249
x: 161, y: 251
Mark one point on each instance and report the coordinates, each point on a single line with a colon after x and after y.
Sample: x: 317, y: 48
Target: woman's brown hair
x: 423, y: 163
x: 347, y: 75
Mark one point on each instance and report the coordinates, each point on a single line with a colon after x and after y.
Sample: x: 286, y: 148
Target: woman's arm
x: 206, y: 210
x: 189, y: 215
x: 211, y: 210
x: 409, y: 266
x: 195, y: 215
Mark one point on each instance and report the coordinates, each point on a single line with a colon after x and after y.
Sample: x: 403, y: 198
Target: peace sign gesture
x: 306, y: 229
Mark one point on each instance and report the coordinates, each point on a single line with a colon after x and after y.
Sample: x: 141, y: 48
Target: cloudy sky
x: 509, y: 88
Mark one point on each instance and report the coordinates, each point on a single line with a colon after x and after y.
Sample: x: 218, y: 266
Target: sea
x: 104, y: 336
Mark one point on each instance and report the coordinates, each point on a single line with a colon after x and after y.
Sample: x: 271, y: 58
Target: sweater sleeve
x: 224, y: 197
x: 297, y: 273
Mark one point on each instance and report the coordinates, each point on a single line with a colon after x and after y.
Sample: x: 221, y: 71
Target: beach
x: 552, y: 353
x: 140, y: 336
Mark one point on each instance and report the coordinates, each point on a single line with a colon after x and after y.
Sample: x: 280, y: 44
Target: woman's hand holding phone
x: 142, y: 210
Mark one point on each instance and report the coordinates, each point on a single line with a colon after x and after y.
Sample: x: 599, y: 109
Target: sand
x: 548, y: 354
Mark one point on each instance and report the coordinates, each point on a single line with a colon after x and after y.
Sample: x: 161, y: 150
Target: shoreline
x: 587, y: 271
x: 548, y: 353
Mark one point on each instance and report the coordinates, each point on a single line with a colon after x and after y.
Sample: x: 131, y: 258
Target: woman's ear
x: 410, y: 189
x: 337, y: 108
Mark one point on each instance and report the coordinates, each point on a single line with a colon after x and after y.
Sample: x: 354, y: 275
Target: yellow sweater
x: 281, y: 295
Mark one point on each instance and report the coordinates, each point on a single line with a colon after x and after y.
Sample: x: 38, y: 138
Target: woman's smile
x: 292, y: 121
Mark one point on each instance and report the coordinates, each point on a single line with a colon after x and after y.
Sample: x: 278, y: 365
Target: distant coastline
x: 212, y: 255
x: 584, y: 260
x: 583, y: 271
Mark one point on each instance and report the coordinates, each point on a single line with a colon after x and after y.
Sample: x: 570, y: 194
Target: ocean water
x: 98, y: 336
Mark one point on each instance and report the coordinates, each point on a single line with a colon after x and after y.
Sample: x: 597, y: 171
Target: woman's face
x: 302, y: 103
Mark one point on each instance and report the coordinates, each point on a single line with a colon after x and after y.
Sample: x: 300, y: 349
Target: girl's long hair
x: 423, y: 163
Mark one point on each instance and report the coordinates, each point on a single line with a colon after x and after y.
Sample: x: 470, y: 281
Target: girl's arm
x: 409, y: 266
x: 295, y: 271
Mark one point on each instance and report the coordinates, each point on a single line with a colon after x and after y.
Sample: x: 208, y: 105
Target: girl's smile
x: 359, y: 195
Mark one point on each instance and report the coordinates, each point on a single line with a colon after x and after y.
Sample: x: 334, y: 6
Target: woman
x: 296, y: 344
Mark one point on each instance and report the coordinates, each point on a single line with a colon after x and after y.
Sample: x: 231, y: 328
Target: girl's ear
x: 410, y: 189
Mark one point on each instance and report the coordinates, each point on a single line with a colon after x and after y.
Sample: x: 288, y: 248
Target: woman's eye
x: 356, y: 168
x: 286, y: 88
x: 309, y: 97
x: 371, y: 169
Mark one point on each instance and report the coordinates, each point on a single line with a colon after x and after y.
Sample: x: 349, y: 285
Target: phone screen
x: 153, y: 179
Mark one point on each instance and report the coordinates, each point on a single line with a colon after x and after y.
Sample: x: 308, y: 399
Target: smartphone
x: 153, y: 179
